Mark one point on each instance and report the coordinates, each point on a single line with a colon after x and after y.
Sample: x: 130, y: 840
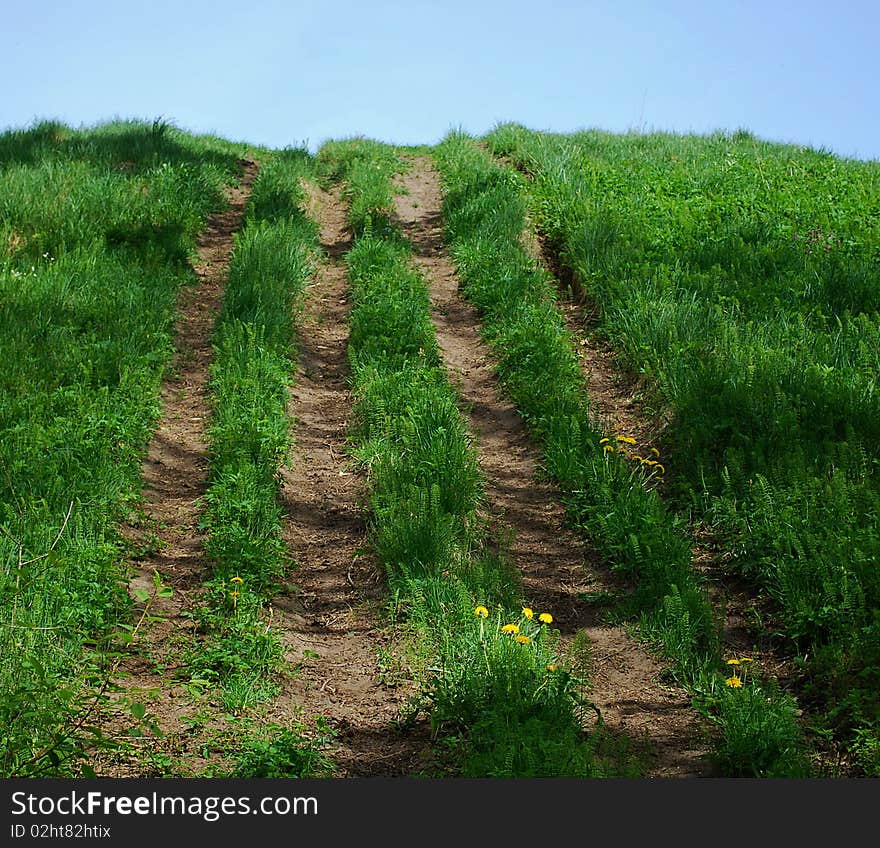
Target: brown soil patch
x: 557, y: 569
x: 175, y: 473
x: 346, y: 666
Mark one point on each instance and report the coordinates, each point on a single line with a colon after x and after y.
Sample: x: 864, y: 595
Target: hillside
x: 530, y: 455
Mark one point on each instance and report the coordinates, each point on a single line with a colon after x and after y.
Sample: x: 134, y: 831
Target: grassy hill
x: 688, y: 329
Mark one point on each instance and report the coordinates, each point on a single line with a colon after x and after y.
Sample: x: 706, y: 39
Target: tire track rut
x: 175, y: 477
x: 557, y: 569
x: 330, y: 623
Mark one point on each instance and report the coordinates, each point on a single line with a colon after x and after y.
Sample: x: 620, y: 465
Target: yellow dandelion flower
x: 608, y: 448
x: 629, y: 440
x: 510, y: 628
x: 523, y: 640
x: 745, y: 659
x: 734, y: 682
x: 236, y: 580
x: 551, y: 667
x: 733, y: 662
x: 545, y: 617
x: 603, y: 441
x: 662, y: 469
x: 529, y: 613
x: 655, y: 452
x: 481, y: 611
x: 649, y: 462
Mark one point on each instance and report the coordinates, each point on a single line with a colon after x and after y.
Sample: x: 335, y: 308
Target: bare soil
x: 557, y: 568
x: 348, y: 670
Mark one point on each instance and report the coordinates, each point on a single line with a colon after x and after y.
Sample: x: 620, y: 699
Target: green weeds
x: 96, y: 227
x: 249, y: 435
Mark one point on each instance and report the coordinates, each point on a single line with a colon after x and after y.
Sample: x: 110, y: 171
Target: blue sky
x: 285, y: 73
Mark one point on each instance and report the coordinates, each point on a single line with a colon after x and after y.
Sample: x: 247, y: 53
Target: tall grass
x: 740, y: 276
x: 762, y: 257
x: 608, y: 492
x: 249, y: 435
x: 96, y: 230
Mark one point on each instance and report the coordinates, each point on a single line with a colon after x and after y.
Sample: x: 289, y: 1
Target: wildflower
x: 529, y: 613
x: 481, y: 611
x: 734, y: 682
x: 635, y: 456
x: 662, y: 469
x: 523, y: 640
x: 603, y: 441
x: 510, y: 628
x: 626, y: 439
x: 608, y: 449
x: 733, y: 662
x: 655, y: 452
x: 551, y: 667
x: 745, y: 659
x: 236, y: 580
x: 545, y: 617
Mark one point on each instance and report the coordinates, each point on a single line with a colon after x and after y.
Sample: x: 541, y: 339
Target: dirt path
x: 174, y: 474
x: 329, y: 625
x: 618, y: 399
x: 625, y: 677
x: 175, y: 471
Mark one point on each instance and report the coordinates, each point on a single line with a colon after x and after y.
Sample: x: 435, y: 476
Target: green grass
x: 96, y: 231
x: 610, y: 498
x: 249, y: 435
x: 738, y: 278
x: 741, y: 278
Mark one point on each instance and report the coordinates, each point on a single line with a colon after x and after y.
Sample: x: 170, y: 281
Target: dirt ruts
x: 557, y: 568
x: 175, y: 475
x: 330, y: 624
x: 618, y: 399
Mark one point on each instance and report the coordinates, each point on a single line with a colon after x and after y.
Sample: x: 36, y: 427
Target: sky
x: 296, y: 73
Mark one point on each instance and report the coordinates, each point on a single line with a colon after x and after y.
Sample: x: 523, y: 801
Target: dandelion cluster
x: 527, y: 632
x: 738, y: 665
x: 624, y: 445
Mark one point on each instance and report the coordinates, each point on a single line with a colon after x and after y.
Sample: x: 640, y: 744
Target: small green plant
x: 286, y: 752
x: 760, y: 734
